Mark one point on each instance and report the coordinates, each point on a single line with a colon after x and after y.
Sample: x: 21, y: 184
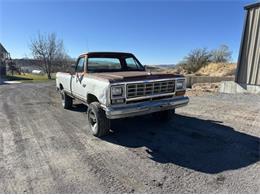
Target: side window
x: 131, y: 63
x: 80, y: 65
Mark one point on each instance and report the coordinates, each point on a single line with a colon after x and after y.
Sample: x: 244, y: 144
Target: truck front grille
x: 135, y: 90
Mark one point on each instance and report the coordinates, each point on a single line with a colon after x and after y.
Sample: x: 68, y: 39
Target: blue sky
x: 157, y: 32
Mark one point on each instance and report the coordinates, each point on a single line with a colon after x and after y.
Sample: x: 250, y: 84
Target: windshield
x: 112, y: 64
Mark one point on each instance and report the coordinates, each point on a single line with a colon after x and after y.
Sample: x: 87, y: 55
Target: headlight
x: 117, y: 91
x: 180, y: 84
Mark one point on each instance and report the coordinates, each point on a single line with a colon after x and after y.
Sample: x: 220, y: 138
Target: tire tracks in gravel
x: 91, y: 159
x: 18, y: 169
x: 98, y: 156
x: 59, y: 175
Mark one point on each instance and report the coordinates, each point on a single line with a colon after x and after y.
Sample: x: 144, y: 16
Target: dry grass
x: 177, y: 70
x: 28, y: 77
x: 212, y: 69
x: 217, y: 69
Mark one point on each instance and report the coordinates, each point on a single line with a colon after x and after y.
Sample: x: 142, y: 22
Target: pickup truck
x: 116, y: 85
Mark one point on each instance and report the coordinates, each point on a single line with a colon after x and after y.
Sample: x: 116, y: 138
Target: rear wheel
x: 66, y: 100
x: 98, y: 122
x: 164, y: 115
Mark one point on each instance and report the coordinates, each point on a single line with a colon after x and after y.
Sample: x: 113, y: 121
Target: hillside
x: 212, y: 69
x: 217, y: 69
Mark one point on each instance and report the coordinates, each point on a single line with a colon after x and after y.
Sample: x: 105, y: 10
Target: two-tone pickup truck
x: 115, y: 85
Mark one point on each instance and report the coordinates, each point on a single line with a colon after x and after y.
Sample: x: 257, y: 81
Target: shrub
x: 196, y: 59
x: 221, y: 55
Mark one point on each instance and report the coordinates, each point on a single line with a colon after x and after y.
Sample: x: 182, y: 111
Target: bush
x: 196, y: 59
x: 221, y: 55
x: 201, y: 57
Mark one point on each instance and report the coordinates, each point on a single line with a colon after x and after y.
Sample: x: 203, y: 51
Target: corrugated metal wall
x: 248, y: 70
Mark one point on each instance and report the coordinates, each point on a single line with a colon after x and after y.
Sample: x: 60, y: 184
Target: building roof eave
x: 252, y: 5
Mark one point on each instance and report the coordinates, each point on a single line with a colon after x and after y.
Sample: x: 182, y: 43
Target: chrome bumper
x: 142, y: 108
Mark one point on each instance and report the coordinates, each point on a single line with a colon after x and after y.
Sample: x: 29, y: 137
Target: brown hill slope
x: 212, y: 69
x: 217, y: 69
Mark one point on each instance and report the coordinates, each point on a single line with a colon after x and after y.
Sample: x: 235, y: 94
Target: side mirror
x: 145, y: 68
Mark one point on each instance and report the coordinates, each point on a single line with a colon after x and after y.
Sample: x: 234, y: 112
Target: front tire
x: 98, y: 122
x: 66, y: 100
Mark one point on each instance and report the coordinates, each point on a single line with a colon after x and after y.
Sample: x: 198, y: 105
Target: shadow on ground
x: 202, y: 145
x: 16, y: 78
x: 79, y: 108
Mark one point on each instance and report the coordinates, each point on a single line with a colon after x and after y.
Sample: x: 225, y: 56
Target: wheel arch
x: 61, y: 86
x: 91, y: 98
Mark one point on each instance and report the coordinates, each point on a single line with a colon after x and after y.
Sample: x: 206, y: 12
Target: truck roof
x: 106, y: 53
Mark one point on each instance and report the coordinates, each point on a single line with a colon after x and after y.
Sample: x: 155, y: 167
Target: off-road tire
x: 102, y: 125
x: 164, y: 115
x: 66, y: 100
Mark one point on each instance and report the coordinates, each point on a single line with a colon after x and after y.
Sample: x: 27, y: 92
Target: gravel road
x: 211, y: 146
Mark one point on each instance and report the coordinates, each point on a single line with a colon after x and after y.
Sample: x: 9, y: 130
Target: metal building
x: 248, y: 69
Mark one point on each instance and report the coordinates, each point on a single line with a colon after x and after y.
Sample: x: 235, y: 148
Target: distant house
x: 37, y: 72
x: 4, y: 57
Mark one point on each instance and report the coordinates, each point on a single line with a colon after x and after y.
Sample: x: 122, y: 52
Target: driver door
x: 77, y: 85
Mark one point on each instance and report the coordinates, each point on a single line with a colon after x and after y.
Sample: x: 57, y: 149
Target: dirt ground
x: 211, y: 146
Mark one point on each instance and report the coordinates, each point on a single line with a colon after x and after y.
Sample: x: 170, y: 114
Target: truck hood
x: 133, y: 76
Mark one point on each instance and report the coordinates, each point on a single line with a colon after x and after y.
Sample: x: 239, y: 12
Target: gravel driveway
x: 211, y: 146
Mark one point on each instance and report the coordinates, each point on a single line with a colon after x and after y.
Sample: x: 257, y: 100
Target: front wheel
x: 98, y: 122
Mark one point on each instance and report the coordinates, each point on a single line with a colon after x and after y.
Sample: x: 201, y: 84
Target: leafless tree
x: 222, y: 54
x: 63, y: 63
x: 196, y: 59
x: 48, y: 50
